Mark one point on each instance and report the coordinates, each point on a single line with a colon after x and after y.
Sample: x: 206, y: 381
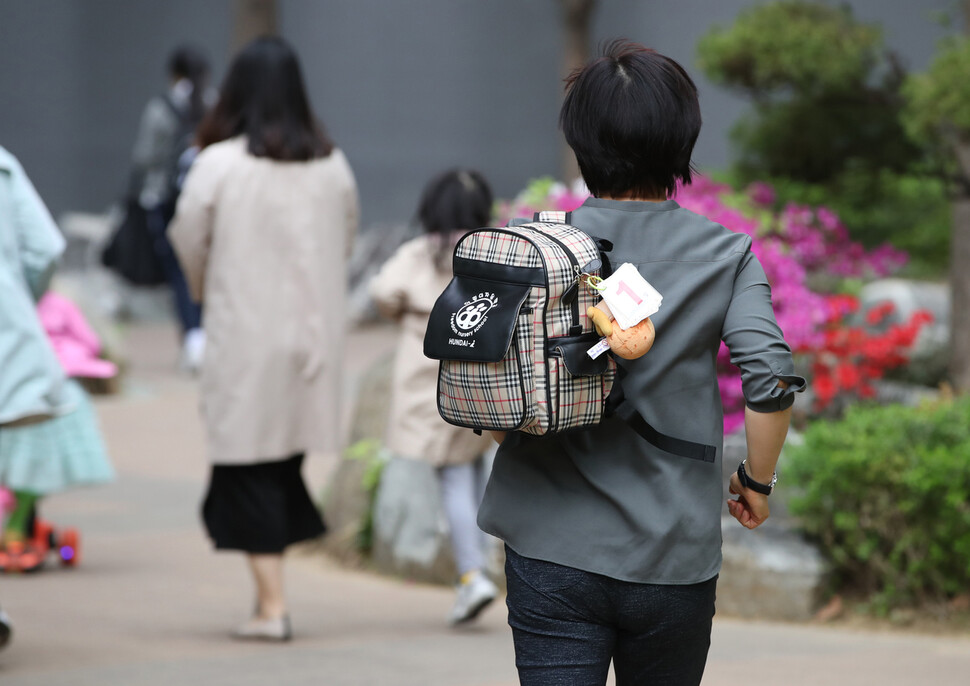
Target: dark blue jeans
x: 188, y: 311
x: 567, y: 625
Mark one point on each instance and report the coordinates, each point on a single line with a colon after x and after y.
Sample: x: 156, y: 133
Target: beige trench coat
x: 264, y: 246
x: 405, y: 289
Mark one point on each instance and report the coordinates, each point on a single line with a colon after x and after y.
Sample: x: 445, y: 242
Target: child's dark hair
x: 458, y: 199
x: 632, y: 118
x: 189, y: 62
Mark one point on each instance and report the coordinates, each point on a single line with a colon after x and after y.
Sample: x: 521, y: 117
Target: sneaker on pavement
x: 193, y: 351
x: 474, y: 594
x: 256, y: 629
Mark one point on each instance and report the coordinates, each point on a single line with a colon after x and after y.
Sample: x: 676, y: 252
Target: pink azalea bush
x: 799, y: 247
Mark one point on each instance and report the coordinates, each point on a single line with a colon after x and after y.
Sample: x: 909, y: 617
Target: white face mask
x: 181, y: 91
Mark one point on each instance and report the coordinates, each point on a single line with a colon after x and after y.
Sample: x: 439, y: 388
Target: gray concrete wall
x: 74, y: 77
x: 406, y: 88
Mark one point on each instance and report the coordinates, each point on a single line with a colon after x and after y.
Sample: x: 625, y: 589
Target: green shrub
x: 886, y: 493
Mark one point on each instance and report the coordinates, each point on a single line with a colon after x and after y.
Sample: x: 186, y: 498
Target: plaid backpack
x: 511, y: 330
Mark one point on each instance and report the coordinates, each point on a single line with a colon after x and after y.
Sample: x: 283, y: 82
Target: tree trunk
x: 577, y: 18
x: 960, y: 262
x: 960, y: 280
x: 251, y: 19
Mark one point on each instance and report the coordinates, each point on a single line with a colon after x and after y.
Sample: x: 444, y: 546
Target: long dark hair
x: 188, y: 62
x: 455, y: 201
x: 263, y: 98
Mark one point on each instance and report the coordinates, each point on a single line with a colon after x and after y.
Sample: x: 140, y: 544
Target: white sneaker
x: 193, y: 351
x: 475, y: 593
x: 256, y: 629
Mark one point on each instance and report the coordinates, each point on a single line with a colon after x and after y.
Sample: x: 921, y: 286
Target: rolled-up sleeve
x: 756, y: 343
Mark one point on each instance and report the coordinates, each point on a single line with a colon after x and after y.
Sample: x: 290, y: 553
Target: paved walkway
x: 151, y: 604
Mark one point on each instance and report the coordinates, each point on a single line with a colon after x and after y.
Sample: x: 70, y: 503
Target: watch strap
x: 756, y: 486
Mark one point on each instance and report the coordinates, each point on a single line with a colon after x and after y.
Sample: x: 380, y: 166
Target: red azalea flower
x: 848, y: 376
x: 824, y: 388
x: 879, y: 313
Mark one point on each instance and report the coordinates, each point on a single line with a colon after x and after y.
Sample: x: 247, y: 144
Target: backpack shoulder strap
x: 553, y: 217
x: 619, y: 406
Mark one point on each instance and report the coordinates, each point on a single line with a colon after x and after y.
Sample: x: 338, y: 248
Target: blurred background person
x: 405, y: 289
x: 49, y: 438
x: 164, y: 147
x: 263, y: 229
x: 6, y: 628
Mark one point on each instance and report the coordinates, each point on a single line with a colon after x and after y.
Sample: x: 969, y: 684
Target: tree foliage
x: 808, y: 47
x: 939, y: 112
x: 825, y: 90
x: 939, y: 99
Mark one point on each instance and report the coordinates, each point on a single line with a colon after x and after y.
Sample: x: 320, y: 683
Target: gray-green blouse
x: 604, y: 499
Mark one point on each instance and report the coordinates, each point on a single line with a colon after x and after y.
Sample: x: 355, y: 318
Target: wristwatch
x: 757, y: 487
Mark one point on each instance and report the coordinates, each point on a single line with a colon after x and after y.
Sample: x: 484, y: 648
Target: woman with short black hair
x: 613, y: 543
x: 263, y: 228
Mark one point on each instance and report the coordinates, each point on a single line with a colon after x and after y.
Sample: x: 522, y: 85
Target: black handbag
x: 131, y: 251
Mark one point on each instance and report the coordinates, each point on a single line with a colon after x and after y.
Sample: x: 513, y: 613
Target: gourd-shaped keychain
x: 623, y: 316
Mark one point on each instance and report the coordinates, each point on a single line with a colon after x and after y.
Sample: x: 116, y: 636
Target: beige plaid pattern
x: 530, y: 390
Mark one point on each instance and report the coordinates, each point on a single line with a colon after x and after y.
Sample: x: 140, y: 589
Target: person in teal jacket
x: 49, y: 438
x: 32, y: 383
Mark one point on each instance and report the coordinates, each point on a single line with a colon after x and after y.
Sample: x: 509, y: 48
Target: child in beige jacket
x: 405, y: 290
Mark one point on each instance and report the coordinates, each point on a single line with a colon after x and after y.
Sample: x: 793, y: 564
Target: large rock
x: 372, y: 405
x: 908, y: 297
x: 928, y: 362
x: 410, y: 529
x: 347, y: 502
x: 372, y: 247
x: 346, y: 506
x: 770, y: 572
x: 411, y: 535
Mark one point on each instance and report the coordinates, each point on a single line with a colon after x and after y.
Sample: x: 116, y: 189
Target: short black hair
x: 190, y: 62
x: 454, y: 201
x: 632, y: 118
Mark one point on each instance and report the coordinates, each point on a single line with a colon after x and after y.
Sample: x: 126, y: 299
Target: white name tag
x: 630, y: 297
x: 599, y: 348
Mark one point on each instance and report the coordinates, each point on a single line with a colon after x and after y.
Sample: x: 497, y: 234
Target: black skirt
x: 260, y: 508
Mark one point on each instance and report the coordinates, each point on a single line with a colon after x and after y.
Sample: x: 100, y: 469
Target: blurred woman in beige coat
x: 406, y: 289
x: 263, y: 228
